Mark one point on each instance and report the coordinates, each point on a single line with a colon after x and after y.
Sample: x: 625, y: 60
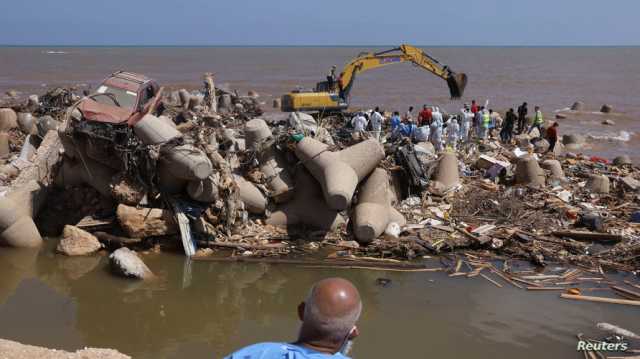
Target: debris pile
x: 209, y: 170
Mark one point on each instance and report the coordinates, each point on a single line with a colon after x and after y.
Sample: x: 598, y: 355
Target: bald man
x: 328, y: 314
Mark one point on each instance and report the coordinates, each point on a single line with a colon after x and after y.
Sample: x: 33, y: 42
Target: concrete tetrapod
x: 254, y: 200
x: 16, y: 229
x: 528, y: 172
x: 555, y: 168
x: 339, y: 172
x: 598, y: 183
x: 374, y: 211
x: 447, y: 175
x: 259, y: 139
x: 307, y: 206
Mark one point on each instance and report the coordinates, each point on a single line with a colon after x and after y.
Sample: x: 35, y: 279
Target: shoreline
x: 13, y: 350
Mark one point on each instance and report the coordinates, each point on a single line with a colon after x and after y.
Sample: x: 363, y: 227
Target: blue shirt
x: 407, y: 129
x: 395, y: 122
x: 280, y: 351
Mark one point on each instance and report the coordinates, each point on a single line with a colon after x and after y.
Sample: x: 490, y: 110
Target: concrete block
x: 339, y: 172
x: 254, y: 201
x: 598, y: 184
x: 307, y: 206
x: 8, y: 119
x: 528, y: 172
x: 446, y: 175
x: 555, y: 168
x: 373, y: 213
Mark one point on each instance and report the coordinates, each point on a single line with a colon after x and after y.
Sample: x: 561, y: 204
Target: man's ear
x: 301, y: 311
x: 355, y: 332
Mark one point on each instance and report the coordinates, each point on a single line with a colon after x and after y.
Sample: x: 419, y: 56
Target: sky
x: 321, y: 22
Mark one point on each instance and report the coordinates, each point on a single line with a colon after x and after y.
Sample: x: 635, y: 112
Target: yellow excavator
x: 332, y: 95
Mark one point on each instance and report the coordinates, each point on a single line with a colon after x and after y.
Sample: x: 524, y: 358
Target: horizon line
x: 308, y: 45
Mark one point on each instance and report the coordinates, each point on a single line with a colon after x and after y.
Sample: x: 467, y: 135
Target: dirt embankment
x: 14, y: 350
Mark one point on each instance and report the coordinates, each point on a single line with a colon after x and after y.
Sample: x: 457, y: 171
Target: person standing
x: 474, y: 107
x: 424, y: 117
x: 376, y: 123
x: 477, y: 123
x: 506, y: 134
x: 436, y: 135
x: 522, y: 117
x: 359, y: 123
x: 465, y: 126
x: 538, y: 121
x: 552, y: 136
x: 486, y: 124
x: 395, y: 121
x: 453, y: 133
x: 329, y: 315
x: 408, y: 115
x: 331, y: 78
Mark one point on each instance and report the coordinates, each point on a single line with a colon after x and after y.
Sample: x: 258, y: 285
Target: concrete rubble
x: 207, y: 168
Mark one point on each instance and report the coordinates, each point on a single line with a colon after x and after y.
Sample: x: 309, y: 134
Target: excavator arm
x: 404, y: 53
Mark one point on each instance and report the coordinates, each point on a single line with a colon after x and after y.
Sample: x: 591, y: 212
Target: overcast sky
x: 320, y: 22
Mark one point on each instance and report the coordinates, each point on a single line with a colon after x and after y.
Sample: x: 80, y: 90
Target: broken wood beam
x: 600, y: 299
x: 588, y: 236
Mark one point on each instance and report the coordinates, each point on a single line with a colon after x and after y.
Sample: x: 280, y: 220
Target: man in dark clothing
x: 522, y: 117
x: 507, y: 127
x: 552, y: 136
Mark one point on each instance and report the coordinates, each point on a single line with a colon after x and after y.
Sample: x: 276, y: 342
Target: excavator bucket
x: 457, y: 83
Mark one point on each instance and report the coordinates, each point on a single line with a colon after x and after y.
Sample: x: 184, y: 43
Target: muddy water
x: 206, y: 309
x: 550, y: 77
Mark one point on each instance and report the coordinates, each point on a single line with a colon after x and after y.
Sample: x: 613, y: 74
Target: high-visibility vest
x: 538, y: 120
x: 486, y: 120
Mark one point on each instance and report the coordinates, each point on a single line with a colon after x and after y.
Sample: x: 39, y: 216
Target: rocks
x: 608, y: 122
x: 606, y: 109
x: 8, y: 119
x: 77, y: 242
x: 126, y: 263
x: 573, y: 143
x: 146, y: 222
x: 277, y: 103
x: 560, y: 116
x: 577, y: 106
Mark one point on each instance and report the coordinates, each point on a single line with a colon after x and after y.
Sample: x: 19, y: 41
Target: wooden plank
x: 491, y: 280
x: 600, y: 299
x: 589, y: 236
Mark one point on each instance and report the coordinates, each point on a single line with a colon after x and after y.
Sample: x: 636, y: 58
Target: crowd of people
x: 474, y: 122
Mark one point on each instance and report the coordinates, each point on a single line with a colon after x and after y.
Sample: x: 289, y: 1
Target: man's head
x: 524, y: 103
x: 410, y: 108
x: 537, y: 108
x: 330, y: 312
x: 377, y: 109
x: 473, y: 102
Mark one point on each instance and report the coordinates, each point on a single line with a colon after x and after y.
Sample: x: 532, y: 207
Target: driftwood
x: 343, y: 263
x: 589, y: 236
x: 111, y: 239
x: 600, y: 299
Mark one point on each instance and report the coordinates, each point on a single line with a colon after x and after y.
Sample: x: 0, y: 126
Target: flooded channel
x: 207, y: 309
